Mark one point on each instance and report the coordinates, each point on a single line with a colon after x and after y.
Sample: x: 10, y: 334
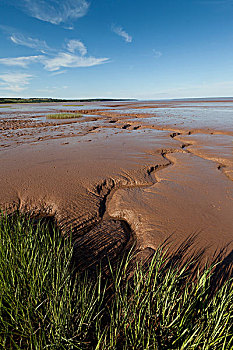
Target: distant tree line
x: 41, y: 100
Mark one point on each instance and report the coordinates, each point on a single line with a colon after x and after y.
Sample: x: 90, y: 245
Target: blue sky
x: 116, y: 48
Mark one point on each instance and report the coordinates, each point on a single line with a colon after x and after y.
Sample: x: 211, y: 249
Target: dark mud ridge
x: 108, y: 239
x: 105, y: 242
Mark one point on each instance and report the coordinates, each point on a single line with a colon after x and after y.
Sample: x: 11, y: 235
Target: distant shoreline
x: 7, y: 100
x: 46, y: 100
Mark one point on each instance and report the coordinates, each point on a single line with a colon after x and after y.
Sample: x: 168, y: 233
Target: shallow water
x: 185, y: 114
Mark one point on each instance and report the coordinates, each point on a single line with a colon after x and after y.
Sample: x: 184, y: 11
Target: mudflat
x: 123, y: 173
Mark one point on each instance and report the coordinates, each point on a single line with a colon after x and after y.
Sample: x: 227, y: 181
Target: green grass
x: 44, y: 304
x: 63, y: 115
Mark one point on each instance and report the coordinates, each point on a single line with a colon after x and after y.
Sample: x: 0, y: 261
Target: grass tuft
x: 45, y: 305
x: 42, y: 304
x: 64, y: 115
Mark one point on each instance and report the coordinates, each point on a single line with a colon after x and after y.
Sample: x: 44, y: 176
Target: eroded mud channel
x: 125, y: 175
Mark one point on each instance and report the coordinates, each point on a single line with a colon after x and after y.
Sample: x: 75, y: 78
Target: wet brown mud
x: 119, y: 179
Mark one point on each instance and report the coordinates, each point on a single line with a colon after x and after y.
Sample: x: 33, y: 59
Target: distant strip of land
x: 43, y: 100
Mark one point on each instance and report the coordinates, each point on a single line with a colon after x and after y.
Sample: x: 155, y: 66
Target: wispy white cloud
x: 52, y: 60
x: 15, y: 82
x: 20, y: 61
x: 64, y: 59
x: 53, y: 11
x: 157, y: 54
x: 121, y: 32
x: 74, y: 45
x: 25, y: 40
x: 54, y: 63
x: 58, y: 72
x: 20, y: 39
x: 71, y: 58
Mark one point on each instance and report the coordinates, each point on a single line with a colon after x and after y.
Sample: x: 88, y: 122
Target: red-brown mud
x: 160, y: 173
